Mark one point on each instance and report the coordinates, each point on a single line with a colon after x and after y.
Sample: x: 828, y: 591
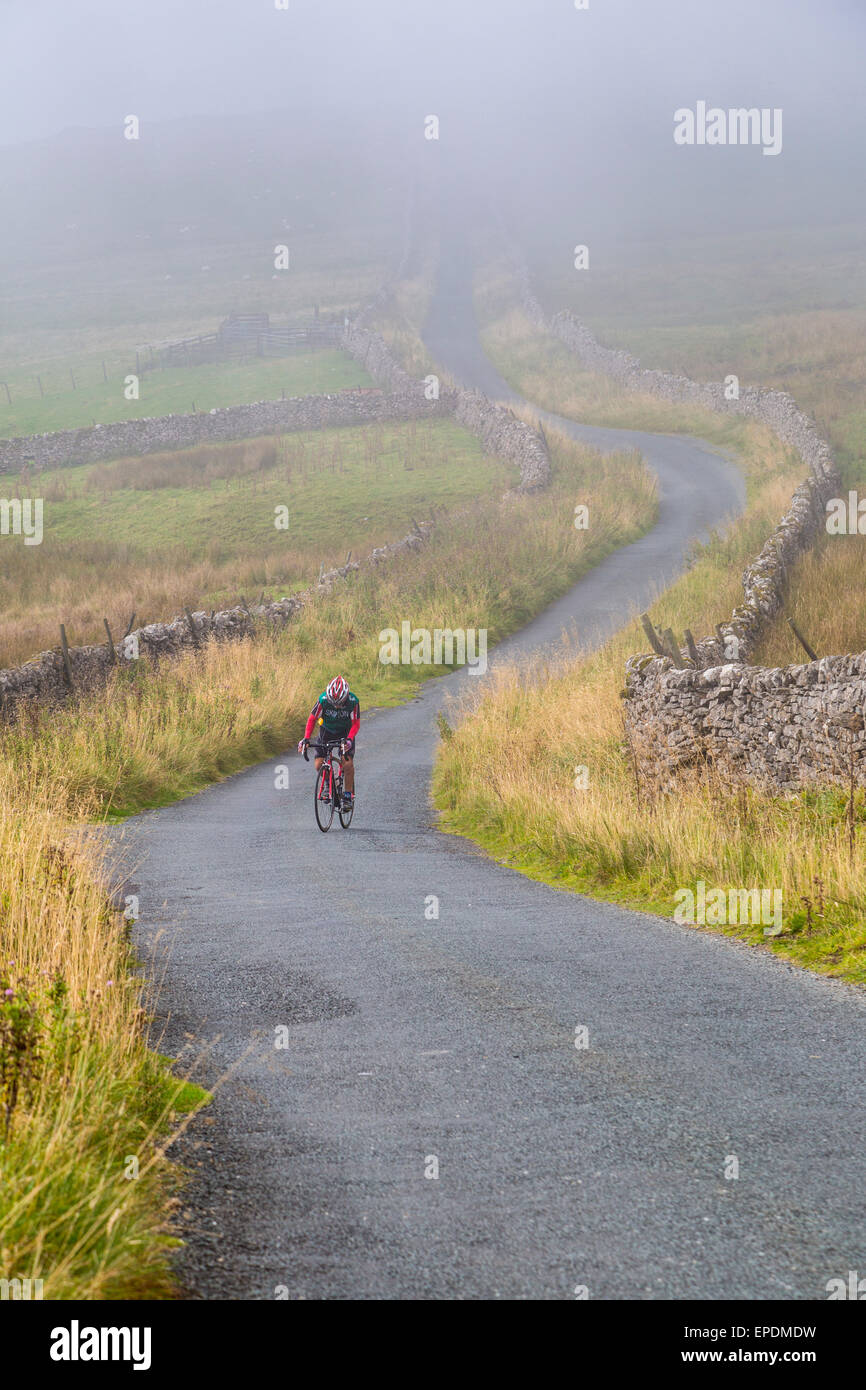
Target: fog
x: 563, y: 117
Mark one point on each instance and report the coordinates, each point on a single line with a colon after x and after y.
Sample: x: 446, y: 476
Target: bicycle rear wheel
x: 324, y: 809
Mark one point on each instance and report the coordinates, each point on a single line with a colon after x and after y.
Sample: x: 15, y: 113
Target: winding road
x: 416, y: 1046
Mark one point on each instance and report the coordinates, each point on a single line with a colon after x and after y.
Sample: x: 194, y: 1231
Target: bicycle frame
x: 325, y: 751
x: 329, y: 783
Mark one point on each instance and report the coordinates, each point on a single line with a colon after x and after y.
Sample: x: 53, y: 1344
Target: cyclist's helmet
x: 338, y: 690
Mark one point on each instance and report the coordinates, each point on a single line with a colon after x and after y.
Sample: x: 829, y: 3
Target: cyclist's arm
x: 356, y: 721
x: 311, y: 722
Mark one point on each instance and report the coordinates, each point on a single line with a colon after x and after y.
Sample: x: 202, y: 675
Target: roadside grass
x: 168, y: 390
x: 90, y: 1096
x: 634, y: 843
x: 630, y: 841
x: 85, y: 1109
x: 195, y: 528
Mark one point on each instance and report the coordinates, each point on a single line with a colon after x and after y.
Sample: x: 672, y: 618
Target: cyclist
x: 340, y: 712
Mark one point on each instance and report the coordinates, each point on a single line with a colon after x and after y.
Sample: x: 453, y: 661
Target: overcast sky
x: 90, y: 62
x: 563, y: 107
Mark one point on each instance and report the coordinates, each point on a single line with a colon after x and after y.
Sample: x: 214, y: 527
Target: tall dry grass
x: 826, y: 597
x: 626, y: 838
x: 551, y: 376
x: 91, y: 1097
x: 212, y: 537
x: 85, y: 1108
x: 623, y: 837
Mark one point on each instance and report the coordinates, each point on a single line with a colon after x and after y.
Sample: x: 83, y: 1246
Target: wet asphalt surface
x: 416, y: 1044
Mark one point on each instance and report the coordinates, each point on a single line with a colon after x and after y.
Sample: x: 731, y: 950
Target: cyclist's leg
x: 349, y: 773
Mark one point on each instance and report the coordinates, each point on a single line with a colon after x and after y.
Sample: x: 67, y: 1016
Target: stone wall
x: 125, y: 438
x: 400, y: 397
x: 44, y: 681
x: 498, y: 429
x: 780, y: 728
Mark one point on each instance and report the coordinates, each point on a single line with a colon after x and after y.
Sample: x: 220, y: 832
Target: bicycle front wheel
x: 324, y: 788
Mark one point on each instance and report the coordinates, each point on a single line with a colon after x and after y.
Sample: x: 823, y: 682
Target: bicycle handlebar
x: 323, y: 748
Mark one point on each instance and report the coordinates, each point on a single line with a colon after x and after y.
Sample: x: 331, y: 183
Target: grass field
x: 154, y: 534
x: 492, y: 564
x: 73, y: 315
x: 168, y: 391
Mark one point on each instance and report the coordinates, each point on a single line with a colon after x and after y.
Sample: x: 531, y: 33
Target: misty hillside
x: 194, y: 182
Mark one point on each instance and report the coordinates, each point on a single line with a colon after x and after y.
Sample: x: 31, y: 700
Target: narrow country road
x: 413, y: 1042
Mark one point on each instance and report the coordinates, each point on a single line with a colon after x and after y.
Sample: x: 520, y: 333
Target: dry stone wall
x: 498, y: 429
x: 66, y: 448
x: 781, y: 728
x: 44, y: 679
x: 778, y: 729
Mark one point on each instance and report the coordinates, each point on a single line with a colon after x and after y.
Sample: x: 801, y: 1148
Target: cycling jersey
x: 338, y: 721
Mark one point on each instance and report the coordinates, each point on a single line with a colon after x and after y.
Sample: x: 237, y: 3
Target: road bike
x: 328, y: 792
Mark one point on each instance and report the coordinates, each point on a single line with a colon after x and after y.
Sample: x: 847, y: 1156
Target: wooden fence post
x: 248, y: 611
x: 192, y: 627
x: 812, y: 655
x: 67, y: 666
x: 690, y: 646
x: 673, y: 649
x: 652, y: 635
x: 112, y: 654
